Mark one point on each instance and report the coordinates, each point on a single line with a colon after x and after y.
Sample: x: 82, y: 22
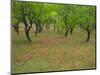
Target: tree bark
x: 16, y: 28
x: 66, y: 32
x: 36, y: 31
x: 39, y: 27
x: 17, y: 31
x: 27, y: 35
x: 88, y: 35
x: 71, y: 31
x: 27, y: 29
x: 87, y: 31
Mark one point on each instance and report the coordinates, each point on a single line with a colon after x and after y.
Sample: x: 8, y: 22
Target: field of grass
x: 50, y: 51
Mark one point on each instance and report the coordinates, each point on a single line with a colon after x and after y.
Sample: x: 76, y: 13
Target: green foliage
x: 63, y: 17
x: 74, y: 14
x: 87, y: 15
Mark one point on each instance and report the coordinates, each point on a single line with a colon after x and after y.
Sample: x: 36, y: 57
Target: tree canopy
x: 63, y: 17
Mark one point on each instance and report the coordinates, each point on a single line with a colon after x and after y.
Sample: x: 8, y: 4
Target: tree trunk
x: 36, y: 31
x: 16, y: 28
x: 88, y: 35
x: 17, y: 31
x: 39, y: 27
x: 71, y: 31
x: 27, y: 35
x: 66, y: 32
x: 27, y: 29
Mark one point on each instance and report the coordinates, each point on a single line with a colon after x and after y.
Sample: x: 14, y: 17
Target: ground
x: 50, y: 51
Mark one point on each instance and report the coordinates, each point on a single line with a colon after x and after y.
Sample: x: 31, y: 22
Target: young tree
x: 23, y: 13
x: 64, y: 11
x: 15, y: 16
x: 87, y: 19
x: 72, y: 17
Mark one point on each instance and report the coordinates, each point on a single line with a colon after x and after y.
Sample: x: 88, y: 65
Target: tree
x: 15, y: 17
x: 72, y: 17
x: 23, y: 13
x: 64, y: 12
x: 87, y: 19
x: 63, y: 18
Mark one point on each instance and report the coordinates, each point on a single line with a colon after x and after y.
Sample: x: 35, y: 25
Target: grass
x: 50, y: 51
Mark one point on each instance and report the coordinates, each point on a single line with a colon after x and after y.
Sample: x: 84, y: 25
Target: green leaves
x: 63, y: 16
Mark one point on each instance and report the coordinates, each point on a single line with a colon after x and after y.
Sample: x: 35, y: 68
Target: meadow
x: 50, y: 51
